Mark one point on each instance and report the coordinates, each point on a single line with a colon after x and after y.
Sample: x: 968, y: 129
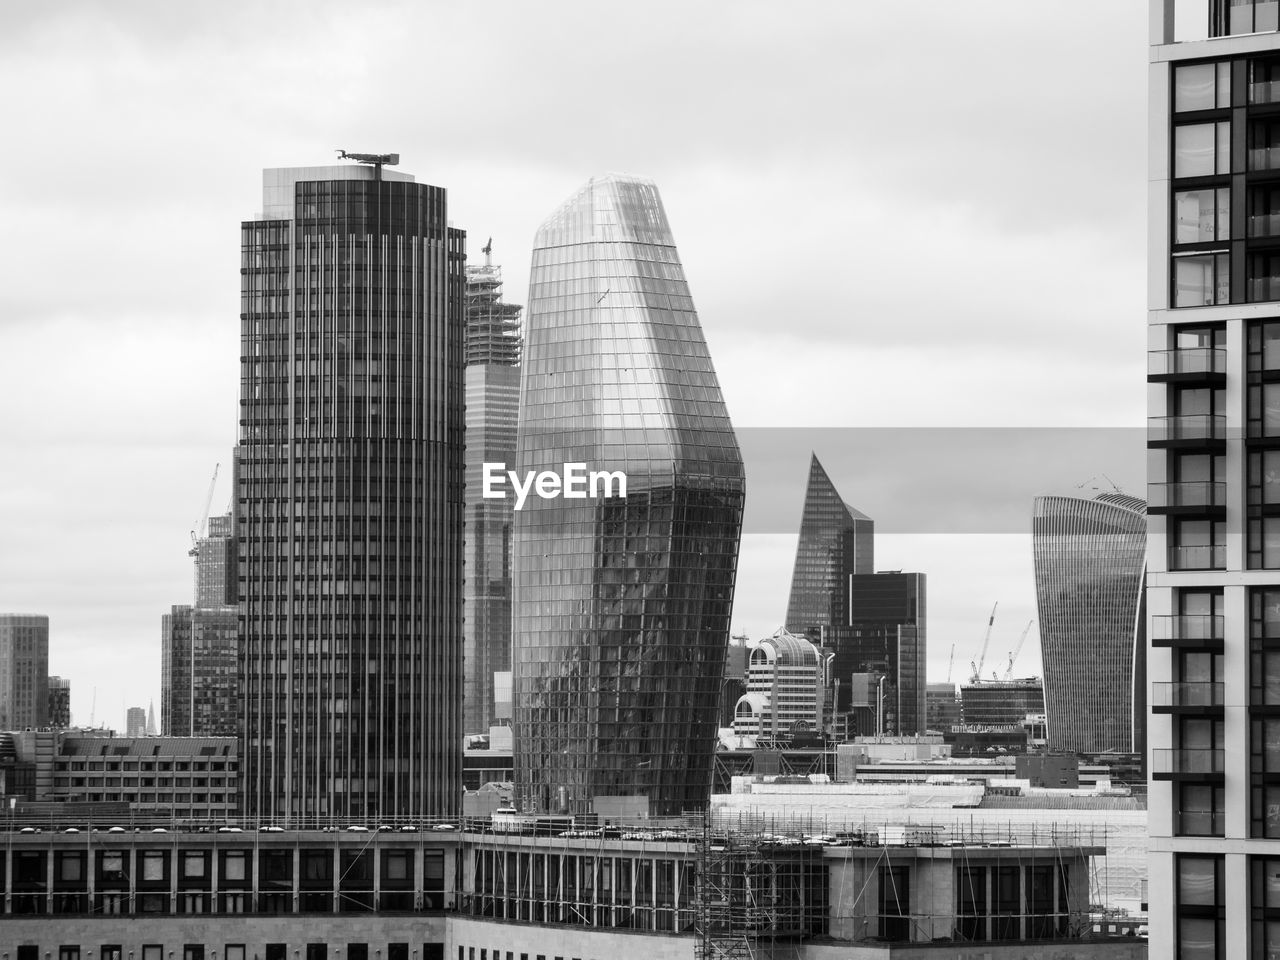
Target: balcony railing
x: 1187, y: 630
x: 1263, y: 289
x: 1188, y: 362
x: 1186, y: 495
x: 1199, y: 557
x: 1178, y: 762
x: 1186, y: 693
x: 1264, y: 158
x: 1264, y: 225
x: 1190, y: 428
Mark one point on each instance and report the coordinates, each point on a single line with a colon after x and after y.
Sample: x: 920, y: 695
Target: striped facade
x: 1090, y: 568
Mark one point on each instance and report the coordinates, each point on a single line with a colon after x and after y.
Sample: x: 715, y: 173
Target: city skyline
x: 143, y: 398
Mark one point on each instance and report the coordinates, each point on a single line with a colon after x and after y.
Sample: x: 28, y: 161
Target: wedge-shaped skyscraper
x: 1090, y: 562
x: 621, y: 604
x: 835, y: 542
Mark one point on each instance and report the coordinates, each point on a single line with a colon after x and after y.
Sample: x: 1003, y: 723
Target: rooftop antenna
x: 376, y: 160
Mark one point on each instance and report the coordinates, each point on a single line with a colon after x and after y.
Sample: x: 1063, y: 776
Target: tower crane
x: 204, y: 518
x: 977, y: 667
x: 951, y: 662
x: 1008, y: 674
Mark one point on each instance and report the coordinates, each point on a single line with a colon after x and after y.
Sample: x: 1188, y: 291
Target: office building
x: 493, y: 401
x: 59, y: 702
x: 941, y: 706
x: 1000, y: 703
x: 621, y: 598
x: 1213, y: 455
x: 349, y: 496
x: 1090, y: 567
x: 200, y: 644
x: 884, y: 637
x: 787, y: 680
x: 24, y: 671
x: 135, y: 722
x: 836, y: 541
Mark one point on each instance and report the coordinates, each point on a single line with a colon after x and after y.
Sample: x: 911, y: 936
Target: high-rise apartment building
x: 884, y: 635
x: 1090, y: 566
x: 493, y: 403
x: 215, y: 565
x: 349, y: 497
x: 1214, y: 455
x: 24, y: 671
x: 59, y: 702
x: 621, y: 603
x: 836, y: 541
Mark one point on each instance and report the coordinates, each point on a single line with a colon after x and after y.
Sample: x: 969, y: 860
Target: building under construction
x: 1000, y: 703
x: 693, y: 891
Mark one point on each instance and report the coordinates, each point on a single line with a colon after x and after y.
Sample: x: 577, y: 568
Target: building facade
x: 622, y: 603
x: 349, y: 497
x: 884, y: 637
x: 836, y: 542
x: 59, y: 702
x: 494, y: 345
x: 24, y: 671
x: 135, y: 722
x: 1000, y: 703
x: 787, y: 680
x: 1213, y: 451
x: 1090, y: 567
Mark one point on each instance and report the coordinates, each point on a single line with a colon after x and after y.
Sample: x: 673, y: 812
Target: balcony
x: 1205, y: 764
x: 1198, y: 557
x: 1189, y: 365
x: 1263, y: 225
x: 1202, y: 632
x: 1262, y: 159
x: 1198, y: 430
x: 1189, y: 696
x: 1200, y: 497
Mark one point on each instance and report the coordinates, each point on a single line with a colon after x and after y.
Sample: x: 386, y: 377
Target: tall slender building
x: 622, y: 603
x: 349, y: 497
x: 24, y: 671
x: 200, y: 644
x: 836, y: 541
x: 493, y: 401
x: 884, y: 635
x: 1213, y: 461
x: 1090, y: 567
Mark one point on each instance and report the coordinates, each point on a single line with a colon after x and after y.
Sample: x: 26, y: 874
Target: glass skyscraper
x: 835, y: 542
x: 493, y: 402
x: 621, y: 605
x: 349, y: 498
x: 1090, y: 567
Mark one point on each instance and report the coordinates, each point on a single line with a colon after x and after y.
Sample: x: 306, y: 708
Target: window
x: 317, y: 951
x: 1204, y: 149
x: 194, y: 864
x: 1197, y: 544
x: 360, y: 951
x: 1200, y: 810
x: 1200, y: 907
x: 1264, y: 906
x: 895, y: 903
x: 1230, y: 17
x: 277, y: 951
x: 1201, y: 86
x: 233, y: 951
x: 235, y: 865
x: 113, y: 951
x: 71, y: 952
x: 193, y: 951
x: 153, y: 862
x: 1202, y: 216
x: 152, y: 951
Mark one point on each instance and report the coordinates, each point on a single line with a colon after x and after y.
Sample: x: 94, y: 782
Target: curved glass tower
x: 621, y: 604
x: 1090, y: 563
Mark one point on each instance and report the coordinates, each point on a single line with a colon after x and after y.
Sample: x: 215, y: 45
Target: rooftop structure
x: 787, y: 679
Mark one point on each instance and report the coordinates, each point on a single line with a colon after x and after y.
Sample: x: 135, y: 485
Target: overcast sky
x: 891, y: 215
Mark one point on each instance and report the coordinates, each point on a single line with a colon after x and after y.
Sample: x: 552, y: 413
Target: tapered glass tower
x: 836, y: 541
x: 1090, y: 564
x: 349, y: 497
x: 621, y: 605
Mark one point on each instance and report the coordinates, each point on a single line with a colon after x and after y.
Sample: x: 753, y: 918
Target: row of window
x: 1201, y: 907
x: 236, y: 951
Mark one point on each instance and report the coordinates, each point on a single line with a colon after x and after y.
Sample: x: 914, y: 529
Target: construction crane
x: 977, y: 667
x: 1008, y: 674
x: 198, y: 532
x: 951, y: 662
